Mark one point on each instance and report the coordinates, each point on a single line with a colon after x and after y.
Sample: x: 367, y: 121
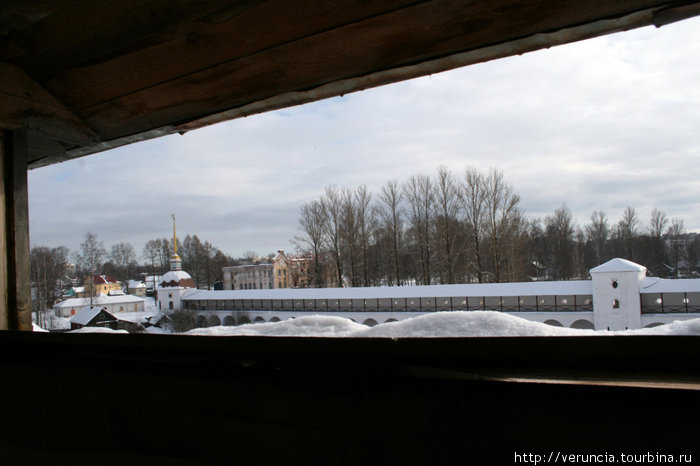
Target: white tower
x: 616, y: 299
x: 175, y: 283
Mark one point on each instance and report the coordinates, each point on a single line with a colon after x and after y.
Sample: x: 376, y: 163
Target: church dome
x: 177, y: 278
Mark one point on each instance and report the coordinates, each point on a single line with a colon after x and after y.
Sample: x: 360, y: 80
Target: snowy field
x: 440, y: 324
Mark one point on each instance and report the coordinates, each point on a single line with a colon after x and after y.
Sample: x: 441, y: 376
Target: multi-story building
x: 293, y: 271
x: 248, y: 277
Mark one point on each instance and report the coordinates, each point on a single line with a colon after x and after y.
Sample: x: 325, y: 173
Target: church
x: 175, y: 283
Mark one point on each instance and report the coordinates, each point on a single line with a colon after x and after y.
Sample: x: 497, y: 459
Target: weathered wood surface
x: 129, y: 71
x: 163, y: 399
x: 5, y: 284
x: 15, y: 299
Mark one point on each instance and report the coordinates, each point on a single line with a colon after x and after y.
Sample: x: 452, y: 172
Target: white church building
x: 175, y: 283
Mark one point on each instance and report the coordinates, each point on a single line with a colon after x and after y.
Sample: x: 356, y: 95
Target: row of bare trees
x: 562, y: 250
x: 471, y: 228
x: 428, y: 230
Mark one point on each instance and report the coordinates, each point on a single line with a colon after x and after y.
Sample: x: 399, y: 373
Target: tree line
x: 52, y: 274
x: 471, y: 228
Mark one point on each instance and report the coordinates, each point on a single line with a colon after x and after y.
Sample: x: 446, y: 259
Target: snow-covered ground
x: 434, y: 325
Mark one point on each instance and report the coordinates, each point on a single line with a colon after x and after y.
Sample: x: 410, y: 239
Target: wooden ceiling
x: 84, y: 76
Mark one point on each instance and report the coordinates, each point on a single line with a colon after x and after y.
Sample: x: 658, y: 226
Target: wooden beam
x: 5, y: 151
x: 15, y: 302
x: 185, y: 98
x: 26, y: 104
x: 400, y: 38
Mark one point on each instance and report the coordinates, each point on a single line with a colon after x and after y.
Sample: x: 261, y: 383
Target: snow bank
x: 97, y: 330
x: 306, y: 326
x: 434, y: 325
x: 36, y: 328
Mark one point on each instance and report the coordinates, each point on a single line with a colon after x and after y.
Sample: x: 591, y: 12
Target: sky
x: 597, y: 125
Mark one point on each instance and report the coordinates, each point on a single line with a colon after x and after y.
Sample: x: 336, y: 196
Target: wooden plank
x: 25, y: 103
x: 81, y: 31
x: 400, y: 38
x: 5, y: 151
x: 15, y: 284
x: 202, y: 43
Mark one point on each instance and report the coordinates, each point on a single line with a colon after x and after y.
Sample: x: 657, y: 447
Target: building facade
x: 249, y: 277
x: 101, y: 284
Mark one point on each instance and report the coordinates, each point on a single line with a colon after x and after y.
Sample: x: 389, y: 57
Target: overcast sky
x: 598, y: 125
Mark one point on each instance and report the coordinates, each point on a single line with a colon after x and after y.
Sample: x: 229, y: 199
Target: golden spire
x: 174, y: 237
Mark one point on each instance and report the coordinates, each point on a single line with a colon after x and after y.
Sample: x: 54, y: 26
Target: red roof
x: 103, y: 280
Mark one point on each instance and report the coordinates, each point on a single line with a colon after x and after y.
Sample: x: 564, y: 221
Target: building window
x: 616, y: 304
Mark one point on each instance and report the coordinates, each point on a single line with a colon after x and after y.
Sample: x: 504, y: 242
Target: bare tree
x: 150, y: 252
x: 48, y: 267
x: 312, y: 219
x: 420, y: 197
x: 164, y: 254
x: 474, y: 206
x: 333, y: 207
x: 627, y: 228
x: 350, y: 247
x: 598, y: 233
x: 560, y: 231
x: 502, y: 218
x: 658, y: 222
x: 366, y: 225
x: 124, y: 258
x: 448, y: 244
x: 391, y: 213
x: 676, y: 234
x: 92, y: 252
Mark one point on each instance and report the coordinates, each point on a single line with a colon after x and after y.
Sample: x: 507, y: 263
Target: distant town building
x: 151, y: 282
x: 136, y: 288
x: 99, y: 316
x: 114, y: 304
x: 93, y: 316
x: 284, y: 271
x: 303, y: 274
x: 101, y: 284
x: 75, y: 292
x: 280, y: 270
x: 248, y: 277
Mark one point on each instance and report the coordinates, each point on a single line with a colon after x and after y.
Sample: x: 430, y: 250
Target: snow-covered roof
x: 618, y: 265
x: 562, y: 288
x: 86, y: 314
x: 100, y: 299
x: 116, y: 293
x: 78, y: 289
x: 136, y: 284
x: 176, y: 279
x: 662, y: 285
